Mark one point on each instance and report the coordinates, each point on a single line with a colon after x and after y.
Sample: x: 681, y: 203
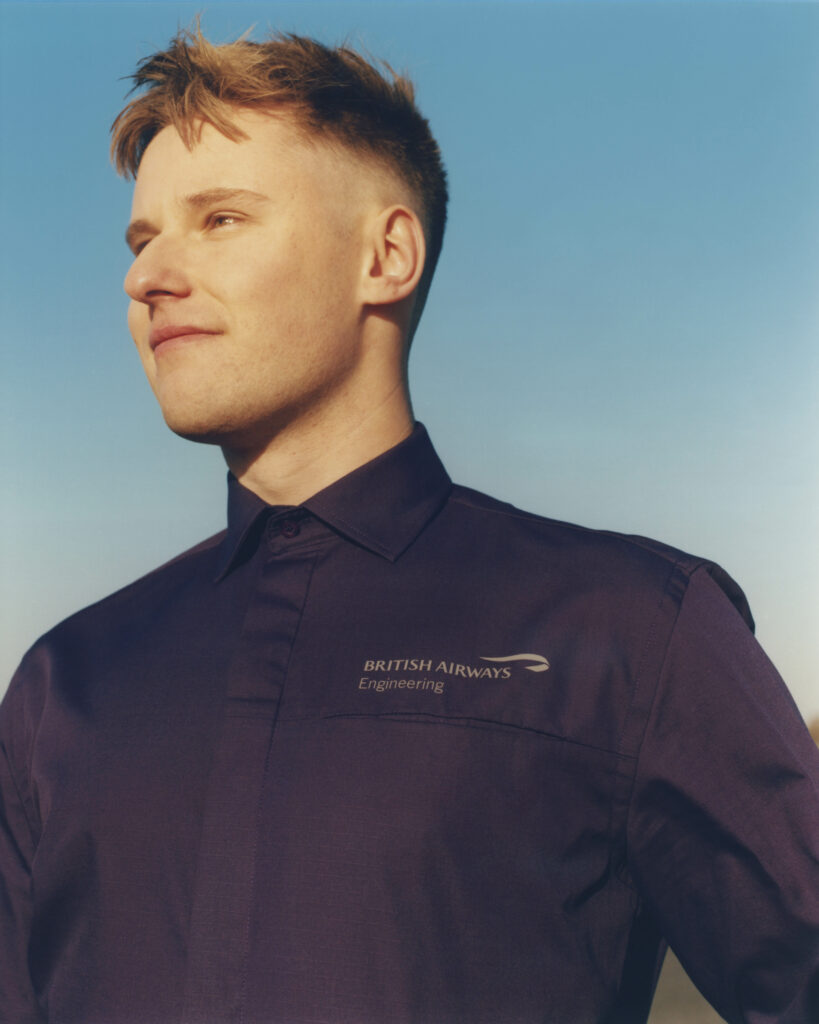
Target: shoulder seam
x: 674, y: 557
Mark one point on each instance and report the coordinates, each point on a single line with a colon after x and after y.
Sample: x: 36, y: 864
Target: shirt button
x: 290, y: 528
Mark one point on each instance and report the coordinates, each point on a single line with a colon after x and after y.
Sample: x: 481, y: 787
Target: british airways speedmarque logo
x: 381, y: 674
x: 540, y: 663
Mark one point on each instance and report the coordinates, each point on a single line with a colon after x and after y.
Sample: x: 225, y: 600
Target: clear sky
x: 623, y: 327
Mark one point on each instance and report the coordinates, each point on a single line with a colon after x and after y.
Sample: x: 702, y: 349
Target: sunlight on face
x: 244, y: 289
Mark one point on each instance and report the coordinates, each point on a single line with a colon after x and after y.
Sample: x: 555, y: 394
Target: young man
x: 386, y: 750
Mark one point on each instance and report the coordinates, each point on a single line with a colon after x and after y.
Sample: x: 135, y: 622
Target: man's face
x: 245, y: 304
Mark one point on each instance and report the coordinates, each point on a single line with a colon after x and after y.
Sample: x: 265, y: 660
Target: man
x: 387, y: 749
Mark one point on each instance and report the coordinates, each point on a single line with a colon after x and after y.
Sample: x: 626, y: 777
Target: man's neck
x: 309, y: 456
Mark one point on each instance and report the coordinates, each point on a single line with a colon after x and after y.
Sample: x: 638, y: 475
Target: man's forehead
x: 266, y: 143
x: 271, y: 151
x: 172, y: 168
x: 202, y: 141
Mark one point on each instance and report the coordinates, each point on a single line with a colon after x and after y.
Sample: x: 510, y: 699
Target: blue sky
x: 623, y: 327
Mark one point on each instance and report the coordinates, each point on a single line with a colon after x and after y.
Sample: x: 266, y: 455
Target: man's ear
x: 395, y: 256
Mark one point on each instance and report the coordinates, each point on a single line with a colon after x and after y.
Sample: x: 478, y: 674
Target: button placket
x: 215, y: 985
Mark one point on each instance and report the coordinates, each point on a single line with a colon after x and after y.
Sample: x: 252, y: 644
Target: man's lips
x: 159, y: 335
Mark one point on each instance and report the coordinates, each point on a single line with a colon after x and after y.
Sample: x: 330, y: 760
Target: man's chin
x: 203, y: 432
x: 229, y: 435
x: 244, y: 429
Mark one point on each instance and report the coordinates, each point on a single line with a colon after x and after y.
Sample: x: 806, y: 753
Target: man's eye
x: 219, y: 220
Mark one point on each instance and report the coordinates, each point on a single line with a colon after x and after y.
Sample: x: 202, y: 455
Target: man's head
x: 289, y: 202
x: 332, y: 95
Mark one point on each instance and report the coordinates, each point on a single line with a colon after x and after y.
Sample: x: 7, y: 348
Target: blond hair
x: 331, y: 93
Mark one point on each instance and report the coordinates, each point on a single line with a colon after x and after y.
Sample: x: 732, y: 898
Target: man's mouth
x: 160, y: 336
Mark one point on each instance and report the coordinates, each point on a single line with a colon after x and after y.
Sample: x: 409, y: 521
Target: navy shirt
x: 406, y: 754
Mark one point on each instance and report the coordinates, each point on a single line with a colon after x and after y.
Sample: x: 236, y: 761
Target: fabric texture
x: 406, y: 754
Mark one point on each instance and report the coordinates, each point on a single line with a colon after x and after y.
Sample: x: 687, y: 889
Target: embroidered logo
x: 383, y: 674
x: 541, y: 664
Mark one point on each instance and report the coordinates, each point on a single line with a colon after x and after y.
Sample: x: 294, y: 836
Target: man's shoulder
x: 512, y: 521
x: 581, y: 554
x: 114, y: 622
x: 193, y: 565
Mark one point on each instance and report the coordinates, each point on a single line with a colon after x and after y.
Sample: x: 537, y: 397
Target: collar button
x: 290, y: 528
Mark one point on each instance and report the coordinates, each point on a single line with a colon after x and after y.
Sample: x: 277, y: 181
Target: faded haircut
x: 331, y: 93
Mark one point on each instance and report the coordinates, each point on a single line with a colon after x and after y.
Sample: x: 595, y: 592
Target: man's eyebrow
x: 196, y: 200
x: 221, y: 195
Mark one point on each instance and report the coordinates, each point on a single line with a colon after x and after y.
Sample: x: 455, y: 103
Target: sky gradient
x: 623, y: 327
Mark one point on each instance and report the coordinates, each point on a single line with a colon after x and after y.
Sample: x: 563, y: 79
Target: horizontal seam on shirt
x: 458, y: 722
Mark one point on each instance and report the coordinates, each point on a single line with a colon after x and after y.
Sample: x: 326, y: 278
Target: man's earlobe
x: 395, y: 257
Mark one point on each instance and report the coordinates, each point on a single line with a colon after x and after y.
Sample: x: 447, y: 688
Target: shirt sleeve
x: 18, y: 1004
x: 723, y: 830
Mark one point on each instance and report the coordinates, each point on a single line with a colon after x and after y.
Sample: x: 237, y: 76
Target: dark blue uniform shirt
x: 406, y: 754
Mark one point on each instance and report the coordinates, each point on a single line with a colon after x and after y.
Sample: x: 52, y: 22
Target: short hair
x: 332, y: 93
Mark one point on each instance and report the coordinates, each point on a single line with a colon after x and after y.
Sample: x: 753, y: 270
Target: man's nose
x: 157, y: 271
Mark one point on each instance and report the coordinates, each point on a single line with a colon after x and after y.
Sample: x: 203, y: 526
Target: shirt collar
x: 383, y: 505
